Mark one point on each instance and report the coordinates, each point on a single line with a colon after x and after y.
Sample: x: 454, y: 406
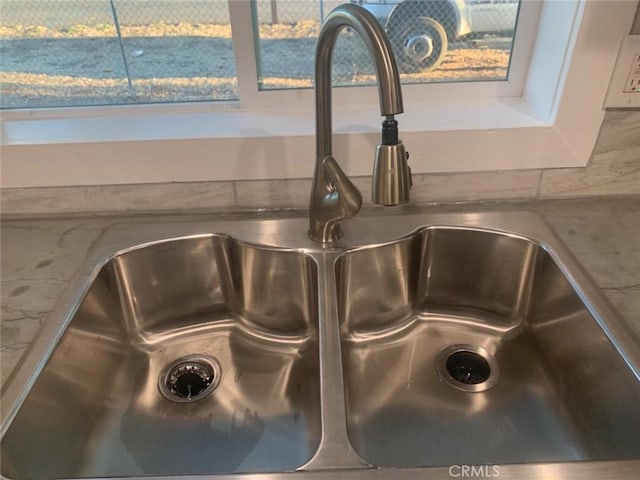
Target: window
x: 105, y: 52
x: 433, y: 40
x: 547, y: 114
x: 110, y: 52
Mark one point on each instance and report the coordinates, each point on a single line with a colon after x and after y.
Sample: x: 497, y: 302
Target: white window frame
x: 553, y: 122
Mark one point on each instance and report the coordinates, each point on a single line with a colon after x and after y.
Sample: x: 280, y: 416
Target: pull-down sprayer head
x: 391, y: 173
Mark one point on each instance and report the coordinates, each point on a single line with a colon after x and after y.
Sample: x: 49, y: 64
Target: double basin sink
x: 417, y: 343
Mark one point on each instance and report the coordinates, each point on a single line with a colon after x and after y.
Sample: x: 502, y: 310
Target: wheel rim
x: 418, y: 48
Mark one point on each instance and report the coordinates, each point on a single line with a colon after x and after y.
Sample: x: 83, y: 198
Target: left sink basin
x: 197, y: 355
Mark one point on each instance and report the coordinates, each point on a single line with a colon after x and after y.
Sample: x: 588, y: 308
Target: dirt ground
x: 83, y: 65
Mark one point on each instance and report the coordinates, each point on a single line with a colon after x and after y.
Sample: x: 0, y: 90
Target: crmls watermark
x: 474, y: 471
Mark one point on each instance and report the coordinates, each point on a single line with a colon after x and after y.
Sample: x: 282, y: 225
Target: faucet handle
x: 333, y: 198
x: 349, y: 197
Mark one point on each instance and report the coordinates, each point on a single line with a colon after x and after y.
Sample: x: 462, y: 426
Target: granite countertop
x: 41, y: 255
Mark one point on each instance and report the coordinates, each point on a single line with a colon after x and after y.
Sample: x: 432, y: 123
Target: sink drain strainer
x: 189, y: 378
x: 467, y: 368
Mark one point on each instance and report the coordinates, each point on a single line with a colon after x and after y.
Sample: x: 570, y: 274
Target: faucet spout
x: 389, y: 90
x: 334, y: 197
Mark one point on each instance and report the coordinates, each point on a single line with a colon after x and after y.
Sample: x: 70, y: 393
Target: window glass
x: 433, y: 40
x: 97, y: 52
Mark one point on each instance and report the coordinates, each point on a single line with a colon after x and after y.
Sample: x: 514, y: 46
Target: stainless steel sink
x: 464, y: 346
x: 238, y: 348
x: 180, y: 360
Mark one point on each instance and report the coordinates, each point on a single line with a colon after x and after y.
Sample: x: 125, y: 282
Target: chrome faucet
x: 333, y: 196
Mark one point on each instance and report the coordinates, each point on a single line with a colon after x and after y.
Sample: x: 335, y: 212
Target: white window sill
x: 450, y: 115
x: 239, y: 145
x: 549, y: 126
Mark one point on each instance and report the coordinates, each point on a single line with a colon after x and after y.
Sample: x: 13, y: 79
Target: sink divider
x: 335, y: 450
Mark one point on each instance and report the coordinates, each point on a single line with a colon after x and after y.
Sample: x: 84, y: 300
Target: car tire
x: 420, y: 44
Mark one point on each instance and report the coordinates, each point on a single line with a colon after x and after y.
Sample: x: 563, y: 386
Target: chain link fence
x: 91, y: 52
x: 83, y: 52
x: 433, y: 40
x: 288, y: 62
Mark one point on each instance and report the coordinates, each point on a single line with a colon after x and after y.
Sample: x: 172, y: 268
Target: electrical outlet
x: 633, y: 80
x: 624, y: 88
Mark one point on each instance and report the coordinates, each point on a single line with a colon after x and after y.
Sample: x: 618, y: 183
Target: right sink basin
x: 471, y: 346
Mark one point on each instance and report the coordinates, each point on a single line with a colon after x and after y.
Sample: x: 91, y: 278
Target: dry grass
x: 303, y: 29
x: 39, y: 89
x: 26, y: 87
